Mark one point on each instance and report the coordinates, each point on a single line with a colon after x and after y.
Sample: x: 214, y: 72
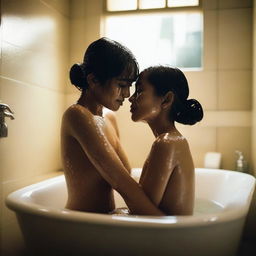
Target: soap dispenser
x: 241, y: 164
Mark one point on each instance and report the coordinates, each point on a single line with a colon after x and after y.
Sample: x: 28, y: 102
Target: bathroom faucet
x: 5, y: 111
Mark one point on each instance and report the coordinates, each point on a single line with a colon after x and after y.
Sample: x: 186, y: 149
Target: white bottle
x: 241, y: 164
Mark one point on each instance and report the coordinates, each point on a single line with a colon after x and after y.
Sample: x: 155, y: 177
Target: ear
x: 91, y: 80
x: 167, y: 100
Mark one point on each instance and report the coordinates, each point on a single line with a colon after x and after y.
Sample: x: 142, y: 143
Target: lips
x: 132, y: 109
x: 120, y: 102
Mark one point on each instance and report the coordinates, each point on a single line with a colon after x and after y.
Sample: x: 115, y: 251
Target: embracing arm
x: 110, y: 117
x: 82, y: 126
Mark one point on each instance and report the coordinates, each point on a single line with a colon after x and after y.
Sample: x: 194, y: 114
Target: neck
x: 161, y: 125
x: 88, y: 101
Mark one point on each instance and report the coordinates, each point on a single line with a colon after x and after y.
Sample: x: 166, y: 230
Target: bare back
x: 87, y: 189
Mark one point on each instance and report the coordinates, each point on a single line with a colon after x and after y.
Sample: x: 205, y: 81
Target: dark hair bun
x: 77, y: 76
x: 191, y: 113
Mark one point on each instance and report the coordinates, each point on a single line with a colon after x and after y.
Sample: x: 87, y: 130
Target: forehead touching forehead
x: 142, y: 77
x: 129, y: 74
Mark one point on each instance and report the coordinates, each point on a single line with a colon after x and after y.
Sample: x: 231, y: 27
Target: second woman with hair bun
x: 160, y: 100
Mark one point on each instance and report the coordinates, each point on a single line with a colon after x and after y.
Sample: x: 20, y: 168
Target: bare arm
x: 110, y: 116
x: 83, y: 128
x: 120, y: 152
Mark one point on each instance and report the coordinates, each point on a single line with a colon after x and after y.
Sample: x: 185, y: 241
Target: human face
x: 113, y: 93
x: 145, y: 104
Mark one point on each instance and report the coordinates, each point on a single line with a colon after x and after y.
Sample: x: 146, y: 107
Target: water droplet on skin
x: 70, y: 167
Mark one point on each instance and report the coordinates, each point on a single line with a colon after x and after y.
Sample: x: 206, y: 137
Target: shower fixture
x: 5, y: 111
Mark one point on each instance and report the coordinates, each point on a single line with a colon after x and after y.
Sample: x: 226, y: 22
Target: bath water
x: 204, y: 206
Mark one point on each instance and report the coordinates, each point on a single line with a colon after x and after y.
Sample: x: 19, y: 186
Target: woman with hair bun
x: 160, y: 100
x: 92, y: 158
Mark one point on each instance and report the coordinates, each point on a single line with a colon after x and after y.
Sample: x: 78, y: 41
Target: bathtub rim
x: 15, y: 202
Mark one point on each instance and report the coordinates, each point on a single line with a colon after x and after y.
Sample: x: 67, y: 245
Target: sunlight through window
x: 181, y: 3
x: 121, y: 5
x: 168, y: 39
x: 149, y: 4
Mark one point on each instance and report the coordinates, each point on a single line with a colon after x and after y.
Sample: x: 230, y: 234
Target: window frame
x: 161, y: 9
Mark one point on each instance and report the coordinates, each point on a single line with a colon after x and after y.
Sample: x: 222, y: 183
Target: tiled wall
x: 251, y: 219
x: 224, y: 86
x: 85, y: 23
x: 34, y: 64
x: 254, y: 90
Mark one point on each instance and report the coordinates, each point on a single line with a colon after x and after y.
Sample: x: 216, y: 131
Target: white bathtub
x: 50, y: 229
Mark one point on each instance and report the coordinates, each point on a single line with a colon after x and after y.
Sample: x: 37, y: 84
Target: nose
x: 126, y: 92
x: 131, y: 98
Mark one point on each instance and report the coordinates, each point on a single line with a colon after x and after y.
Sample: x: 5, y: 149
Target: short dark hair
x: 105, y: 59
x: 165, y: 79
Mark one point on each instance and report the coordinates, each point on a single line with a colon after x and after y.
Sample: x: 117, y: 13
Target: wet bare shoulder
x: 77, y: 111
x: 78, y: 117
x: 170, y: 140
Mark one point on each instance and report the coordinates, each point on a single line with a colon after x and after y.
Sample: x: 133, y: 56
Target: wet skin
x: 168, y: 173
x: 87, y: 189
x: 94, y: 161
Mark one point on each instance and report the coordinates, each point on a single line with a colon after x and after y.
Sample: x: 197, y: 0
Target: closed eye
x: 125, y: 85
x: 122, y: 85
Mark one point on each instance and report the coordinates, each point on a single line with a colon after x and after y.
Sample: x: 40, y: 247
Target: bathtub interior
x: 228, y: 188
x: 225, y: 189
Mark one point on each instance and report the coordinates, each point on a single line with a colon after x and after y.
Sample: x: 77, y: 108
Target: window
x: 167, y: 38
x: 128, y: 5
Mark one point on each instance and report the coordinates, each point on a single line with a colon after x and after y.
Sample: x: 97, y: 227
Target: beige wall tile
x: 62, y: 6
x: 234, y: 90
x: 78, y: 8
x: 227, y: 119
x: 254, y: 95
x: 35, y: 48
x: 31, y: 24
x: 230, y: 139
x: 33, y: 68
x: 235, y: 39
x: 78, y: 41
x: 200, y: 139
x: 210, y: 40
x: 26, y: 18
x: 209, y: 4
x: 136, y: 138
x: 137, y: 143
x: 234, y: 4
x: 33, y: 144
x: 70, y: 88
x: 202, y: 87
x: 78, y: 45
x: 72, y: 98
x: 85, y: 25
